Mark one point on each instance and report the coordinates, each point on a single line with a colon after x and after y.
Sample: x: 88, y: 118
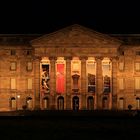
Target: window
x: 13, y: 83
x: 13, y: 66
x: 29, y: 83
x: 137, y: 83
x: 29, y: 66
x: 122, y: 53
x: 137, y: 52
x: 137, y: 66
x: 121, y: 83
x: 13, y: 52
x: 29, y: 52
x: 121, y: 66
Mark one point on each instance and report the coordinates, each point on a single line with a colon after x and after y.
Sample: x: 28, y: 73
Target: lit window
x: 137, y: 66
x: 29, y: 83
x: 29, y: 66
x: 121, y: 66
x: 13, y: 83
x: 13, y: 66
x: 137, y: 83
x: 121, y: 83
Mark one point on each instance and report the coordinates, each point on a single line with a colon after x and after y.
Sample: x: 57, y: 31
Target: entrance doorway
x: 60, y: 103
x: 29, y: 103
x: 105, y: 103
x: 121, y: 103
x: 46, y: 103
x: 75, y: 103
x: 90, y: 103
x: 13, y: 103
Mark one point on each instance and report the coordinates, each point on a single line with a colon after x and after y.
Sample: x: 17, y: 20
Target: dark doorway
x: 90, y: 103
x: 75, y: 103
x: 105, y: 103
x: 60, y: 103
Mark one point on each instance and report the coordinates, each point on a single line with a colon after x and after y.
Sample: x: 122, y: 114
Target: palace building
x: 74, y: 68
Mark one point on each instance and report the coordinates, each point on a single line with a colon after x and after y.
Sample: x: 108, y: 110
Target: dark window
x: 122, y: 53
x: 13, y: 52
x: 28, y: 52
x: 137, y: 52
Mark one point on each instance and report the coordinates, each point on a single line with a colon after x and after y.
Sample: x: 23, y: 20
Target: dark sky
x: 44, y: 16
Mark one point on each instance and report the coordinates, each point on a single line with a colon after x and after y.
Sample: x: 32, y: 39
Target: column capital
x: 83, y: 57
x: 114, y: 58
x: 99, y: 58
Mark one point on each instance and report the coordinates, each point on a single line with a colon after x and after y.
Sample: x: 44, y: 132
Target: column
x: 37, y: 82
x: 68, y: 82
x: 52, y: 82
x: 114, y: 83
x: 99, y: 82
x: 83, y: 82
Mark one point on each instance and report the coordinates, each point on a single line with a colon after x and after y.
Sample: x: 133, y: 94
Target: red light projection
x: 60, y: 79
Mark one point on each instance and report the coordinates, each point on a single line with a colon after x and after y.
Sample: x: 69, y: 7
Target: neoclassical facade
x: 74, y: 68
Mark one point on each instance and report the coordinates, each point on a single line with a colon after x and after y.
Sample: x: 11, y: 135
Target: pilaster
x: 52, y: 81
x: 68, y: 82
x: 83, y: 81
x: 99, y: 82
x: 37, y: 81
x: 114, y: 83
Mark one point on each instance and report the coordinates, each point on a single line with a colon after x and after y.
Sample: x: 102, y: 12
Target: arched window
x: 121, y: 103
x: 137, y: 103
x: 60, y: 103
x: 90, y: 103
x: 75, y: 102
x: 105, y: 103
x: 13, y: 103
x: 29, y: 103
x: 46, y: 103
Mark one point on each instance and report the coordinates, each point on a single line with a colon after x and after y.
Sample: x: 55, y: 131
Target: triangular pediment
x: 75, y: 35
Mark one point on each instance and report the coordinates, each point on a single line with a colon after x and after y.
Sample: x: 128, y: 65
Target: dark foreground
x: 97, y: 126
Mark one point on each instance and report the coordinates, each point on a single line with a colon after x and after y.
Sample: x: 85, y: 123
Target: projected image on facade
x: 60, y: 78
x: 45, y: 78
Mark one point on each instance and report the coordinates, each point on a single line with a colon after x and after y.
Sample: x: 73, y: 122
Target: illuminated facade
x: 72, y: 69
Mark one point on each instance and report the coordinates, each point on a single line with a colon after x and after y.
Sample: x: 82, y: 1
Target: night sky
x: 44, y: 16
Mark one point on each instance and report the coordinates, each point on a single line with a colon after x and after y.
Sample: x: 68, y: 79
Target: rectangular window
x: 29, y: 83
x: 13, y: 66
x: 121, y: 66
x: 137, y: 66
x: 13, y: 52
x: 91, y: 74
x: 121, y: 83
x: 137, y: 83
x: 13, y: 83
x: 29, y: 66
x: 29, y: 52
x: 137, y: 52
